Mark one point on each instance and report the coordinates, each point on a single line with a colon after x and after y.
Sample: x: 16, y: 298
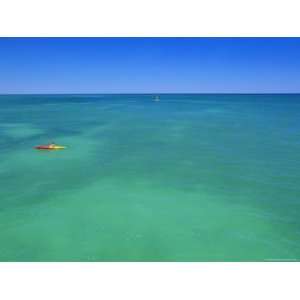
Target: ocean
x: 192, y: 177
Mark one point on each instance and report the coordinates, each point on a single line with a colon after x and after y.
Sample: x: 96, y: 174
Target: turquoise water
x: 188, y: 178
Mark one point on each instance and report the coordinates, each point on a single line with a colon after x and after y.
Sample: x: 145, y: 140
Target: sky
x: 149, y: 65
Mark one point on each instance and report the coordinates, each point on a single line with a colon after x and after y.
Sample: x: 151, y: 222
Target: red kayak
x: 50, y: 147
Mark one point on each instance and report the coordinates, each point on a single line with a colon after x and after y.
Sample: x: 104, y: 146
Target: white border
x: 151, y: 281
x: 149, y: 18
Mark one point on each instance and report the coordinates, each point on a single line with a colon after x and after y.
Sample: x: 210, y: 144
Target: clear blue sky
x: 141, y: 65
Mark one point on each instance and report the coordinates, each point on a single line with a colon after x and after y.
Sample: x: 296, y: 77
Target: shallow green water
x: 189, y: 178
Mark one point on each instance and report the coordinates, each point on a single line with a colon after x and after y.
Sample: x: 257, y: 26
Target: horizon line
x: 158, y: 93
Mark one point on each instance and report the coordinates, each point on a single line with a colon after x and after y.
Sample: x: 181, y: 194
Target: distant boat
x: 156, y: 98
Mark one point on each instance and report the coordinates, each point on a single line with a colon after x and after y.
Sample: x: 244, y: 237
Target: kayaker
x: 51, y: 146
